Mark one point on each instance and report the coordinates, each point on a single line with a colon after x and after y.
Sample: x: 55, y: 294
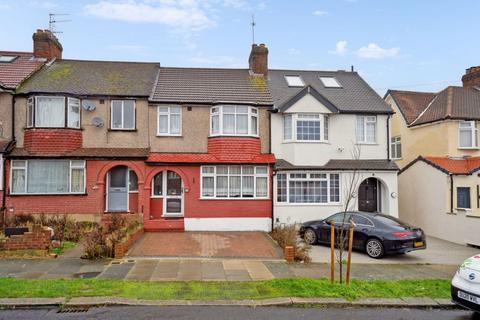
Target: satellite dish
x: 97, y: 122
x: 88, y: 105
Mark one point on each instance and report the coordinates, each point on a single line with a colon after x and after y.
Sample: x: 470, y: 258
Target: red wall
x: 52, y: 141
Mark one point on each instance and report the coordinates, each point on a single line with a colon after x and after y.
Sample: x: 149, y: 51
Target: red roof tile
x: 14, y: 72
x: 207, y: 158
x: 455, y: 166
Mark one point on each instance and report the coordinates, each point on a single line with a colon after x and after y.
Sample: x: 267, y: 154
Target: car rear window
x: 389, y: 221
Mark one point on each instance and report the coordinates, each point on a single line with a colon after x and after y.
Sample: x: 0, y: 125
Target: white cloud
x: 340, y: 48
x: 374, y: 51
x: 320, y: 13
x: 183, y: 15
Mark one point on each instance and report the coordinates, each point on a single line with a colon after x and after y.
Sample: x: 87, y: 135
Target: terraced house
x: 187, y: 148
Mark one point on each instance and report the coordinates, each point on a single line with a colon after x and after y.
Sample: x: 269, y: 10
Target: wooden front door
x: 368, y: 195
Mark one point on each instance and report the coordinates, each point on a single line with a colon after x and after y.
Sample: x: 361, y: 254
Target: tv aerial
x: 53, y: 20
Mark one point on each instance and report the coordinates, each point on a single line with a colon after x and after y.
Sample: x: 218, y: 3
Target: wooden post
x: 332, y: 253
x: 349, y: 258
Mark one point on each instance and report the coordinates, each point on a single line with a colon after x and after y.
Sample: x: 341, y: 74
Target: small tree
x: 349, y: 194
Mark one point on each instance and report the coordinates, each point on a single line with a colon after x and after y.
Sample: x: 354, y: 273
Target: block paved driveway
x: 242, y: 245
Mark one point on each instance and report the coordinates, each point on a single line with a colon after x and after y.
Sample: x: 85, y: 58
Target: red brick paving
x: 206, y: 244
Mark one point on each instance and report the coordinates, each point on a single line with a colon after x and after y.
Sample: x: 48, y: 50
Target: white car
x: 466, y: 284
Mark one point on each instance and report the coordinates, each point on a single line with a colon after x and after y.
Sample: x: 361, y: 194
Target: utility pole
x: 253, y: 29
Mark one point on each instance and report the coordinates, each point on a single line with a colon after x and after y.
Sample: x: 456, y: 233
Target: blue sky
x: 404, y: 44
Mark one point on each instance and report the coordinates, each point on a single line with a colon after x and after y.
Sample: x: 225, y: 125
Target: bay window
x: 234, y: 121
x: 47, y: 177
x: 305, y: 187
x: 305, y: 127
x: 366, y: 129
x: 234, y: 181
x: 53, y: 112
x: 123, y: 115
x: 468, y: 134
x: 169, y: 121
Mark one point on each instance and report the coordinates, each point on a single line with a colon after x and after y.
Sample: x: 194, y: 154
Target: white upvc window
x: 305, y: 127
x: 308, y: 188
x: 396, y: 147
x: 53, y: 112
x: 169, y: 121
x: 234, y: 182
x: 122, y: 115
x: 467, y: 134
x: 366, y: 129
x: 231, y: 120
x: 49, y: 176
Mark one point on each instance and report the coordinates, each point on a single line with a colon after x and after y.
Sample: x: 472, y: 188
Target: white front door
x: 117, y: 190
x: 173, y: 201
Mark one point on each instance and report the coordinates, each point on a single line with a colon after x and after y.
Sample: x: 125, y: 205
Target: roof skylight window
x: 7, y: 58
x: 294, y: 81
x: 330, y: 82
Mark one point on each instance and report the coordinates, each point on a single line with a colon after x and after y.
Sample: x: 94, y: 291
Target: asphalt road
x: 241, y: 313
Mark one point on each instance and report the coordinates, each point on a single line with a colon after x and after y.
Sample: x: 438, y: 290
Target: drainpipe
x: 272, y: 192
x: 451, y: 193
x: 388, y: 137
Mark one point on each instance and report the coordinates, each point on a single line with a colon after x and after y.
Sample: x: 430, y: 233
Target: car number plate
x: 418, y: 244
x: 468, y: 297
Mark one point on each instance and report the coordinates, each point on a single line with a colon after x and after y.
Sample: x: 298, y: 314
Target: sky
x: 421, y: 45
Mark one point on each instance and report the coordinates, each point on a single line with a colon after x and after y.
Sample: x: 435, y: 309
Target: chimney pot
x: 46, y: 45
x: 471, y: 78
x: 258, y: 60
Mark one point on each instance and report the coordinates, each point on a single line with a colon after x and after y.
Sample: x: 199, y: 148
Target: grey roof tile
x: 341, y: 164
x: 210, y: 86
x: 354, y: 96
x: 93, y: 78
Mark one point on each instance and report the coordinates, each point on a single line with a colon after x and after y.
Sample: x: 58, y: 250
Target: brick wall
x: 46, y: 45
x: 234, y: 148
x: 52, y: 141
x: 38, y: 239
x: 471, y: 77
x: 122, y: 248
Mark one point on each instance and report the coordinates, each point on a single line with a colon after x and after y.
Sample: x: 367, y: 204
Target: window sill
x: 52, y: 128
x: 367, y: 143
x: 306, y: 141
x: 233, y: 136
x: 234, y: 199
x: 169, y: 135
x: 463, y: 209
x: 475, y: 216
x: 468, y: 148
x: 46, y: 194
x: 287, y: 204
x: 121, y: 130
x: 156, y: 197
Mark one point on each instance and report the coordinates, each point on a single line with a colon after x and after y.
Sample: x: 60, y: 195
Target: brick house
x: 15, y: 67
x: 187, y: 148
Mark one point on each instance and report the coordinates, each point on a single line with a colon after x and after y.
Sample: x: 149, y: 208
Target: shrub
x: 95, y: 245
x: 20, y: 220
x: 287, y: 235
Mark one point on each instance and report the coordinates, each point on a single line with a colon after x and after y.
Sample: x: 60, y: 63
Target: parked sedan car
x: 375, y: 233
x: 466, y: 284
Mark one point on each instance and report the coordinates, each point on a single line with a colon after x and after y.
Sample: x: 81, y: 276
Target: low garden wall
x: 122, y: 247
x: 37, y: 239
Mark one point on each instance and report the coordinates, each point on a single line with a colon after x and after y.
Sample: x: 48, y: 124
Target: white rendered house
x: 329, y: 133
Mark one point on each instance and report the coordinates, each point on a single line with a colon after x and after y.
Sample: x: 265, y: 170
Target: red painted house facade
x: 187, y: 148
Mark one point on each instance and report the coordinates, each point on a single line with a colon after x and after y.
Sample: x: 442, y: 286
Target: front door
x: 367, y: 195
x: 117, y: 190
x: 173, y: 204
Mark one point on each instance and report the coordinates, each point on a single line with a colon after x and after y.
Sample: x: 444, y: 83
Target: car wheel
x: 310, y: 236
x: 374, y: 248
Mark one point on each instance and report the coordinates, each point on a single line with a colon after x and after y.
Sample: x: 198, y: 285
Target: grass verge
x: 196, y: 290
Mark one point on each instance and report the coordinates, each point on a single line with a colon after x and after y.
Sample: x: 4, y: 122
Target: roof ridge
x: 411, y: 92
x: 106, y: 61
x: 310, y: 70
x: 203, y: 68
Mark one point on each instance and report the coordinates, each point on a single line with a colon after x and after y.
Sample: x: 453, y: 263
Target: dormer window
x: 294, y: 81
x: 330, y: 82
x: 308, y: 127
x: 234, y: 121
x: 53, y: 112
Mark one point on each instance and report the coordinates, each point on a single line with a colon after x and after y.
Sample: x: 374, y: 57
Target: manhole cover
x: 86, y: 275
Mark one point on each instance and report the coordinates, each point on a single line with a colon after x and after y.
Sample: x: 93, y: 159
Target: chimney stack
x: 258, y: 60
x: 471, y: 78
x: 46, y: 45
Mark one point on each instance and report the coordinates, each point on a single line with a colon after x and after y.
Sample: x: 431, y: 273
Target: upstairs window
x: 396, y: 147
x: 305, y: 127
x: 468, y: 136
x: 366, y: 129
x: 53, y: 112
x: 169, y: 121
x: 234, y: 121
x: 6, y: 58
x: 330, y: 82
x: 123, y: 115
x: 294, y: 81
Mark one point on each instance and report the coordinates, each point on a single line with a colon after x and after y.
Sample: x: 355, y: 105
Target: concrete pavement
x: 438, y: 252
